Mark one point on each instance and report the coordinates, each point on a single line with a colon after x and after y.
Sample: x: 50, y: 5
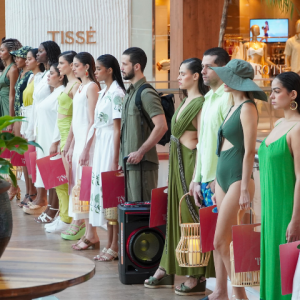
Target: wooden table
x: 26, y: 274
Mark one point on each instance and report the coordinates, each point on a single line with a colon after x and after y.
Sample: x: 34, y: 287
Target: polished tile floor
x: 105, y: 284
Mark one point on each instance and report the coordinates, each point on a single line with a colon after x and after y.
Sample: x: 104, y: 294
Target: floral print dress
x: 108, y: 108
x: 20, y: 86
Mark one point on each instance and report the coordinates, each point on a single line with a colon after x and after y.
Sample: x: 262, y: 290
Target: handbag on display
x: 245, y: 254
x: 52, y: 171
x: 289, y: 254
x: 158, y: 208
x: 78, y: 205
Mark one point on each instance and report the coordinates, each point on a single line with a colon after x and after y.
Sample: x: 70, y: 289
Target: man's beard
x: 129, y: 76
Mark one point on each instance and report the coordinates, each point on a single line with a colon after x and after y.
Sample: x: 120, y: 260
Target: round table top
x: 33, y: 273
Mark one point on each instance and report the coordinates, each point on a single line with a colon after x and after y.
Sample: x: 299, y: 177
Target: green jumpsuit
x: 4, y: 92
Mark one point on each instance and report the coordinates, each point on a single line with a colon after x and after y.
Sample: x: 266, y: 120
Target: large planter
x: 5, y: 216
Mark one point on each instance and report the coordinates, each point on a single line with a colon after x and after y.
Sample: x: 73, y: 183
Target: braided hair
x: 52, y: 50
x: 11, y: 44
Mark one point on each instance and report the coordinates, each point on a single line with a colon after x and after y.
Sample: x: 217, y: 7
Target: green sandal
x: 199, y: 289
x: 167, y: 281
x: 75, y: 234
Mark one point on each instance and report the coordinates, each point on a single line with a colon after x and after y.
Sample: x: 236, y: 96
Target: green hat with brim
x: 22, y: 52
x: 238, y: 75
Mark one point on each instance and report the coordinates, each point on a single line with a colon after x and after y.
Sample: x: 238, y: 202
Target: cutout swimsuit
x: 230, y: 162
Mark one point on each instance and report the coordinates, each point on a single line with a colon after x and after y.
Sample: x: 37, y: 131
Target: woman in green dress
x: 8, y: 78
x: 185, y: 129
x: 279, y: 164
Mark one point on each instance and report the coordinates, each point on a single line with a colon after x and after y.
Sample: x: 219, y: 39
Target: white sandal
x: 97, y: 257
x: 111, y: 252
x: 45, y: 219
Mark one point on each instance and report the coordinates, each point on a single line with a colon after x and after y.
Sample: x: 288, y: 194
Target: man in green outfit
x: 140, y: 146
x: 214, y: 111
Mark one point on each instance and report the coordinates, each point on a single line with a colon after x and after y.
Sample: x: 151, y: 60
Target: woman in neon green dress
x: 279, y: 162
x: 185, y: 128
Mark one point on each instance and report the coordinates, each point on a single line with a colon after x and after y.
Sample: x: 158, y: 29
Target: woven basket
x: 78, y: 205
x: 188, y: 251
x: 243, y: 279
x: 111, y: 215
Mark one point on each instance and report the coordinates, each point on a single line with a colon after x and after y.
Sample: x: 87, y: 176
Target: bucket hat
x: 238, y: 75
x: 22, y: 52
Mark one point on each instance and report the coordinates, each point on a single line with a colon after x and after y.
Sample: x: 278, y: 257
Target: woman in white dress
x: 84, y: 103
x: 106, y: 130
x: 47, y: 55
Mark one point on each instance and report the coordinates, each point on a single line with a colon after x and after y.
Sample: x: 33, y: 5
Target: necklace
x: 81, y: 88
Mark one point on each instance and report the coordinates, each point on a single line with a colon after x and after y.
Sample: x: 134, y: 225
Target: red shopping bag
x: 113, y: 188
x: 208, y: 221
x: 86, y: 183
x: 32, y: 158
x: 27, y: 158
x: 52, y: 171
x: 5, y: 154
x: 246, y: 246
x: 289, y: 254
x: 17, y: 160
x: 159, y: 206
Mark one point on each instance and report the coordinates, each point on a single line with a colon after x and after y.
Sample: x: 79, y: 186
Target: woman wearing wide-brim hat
x: 236, y: 151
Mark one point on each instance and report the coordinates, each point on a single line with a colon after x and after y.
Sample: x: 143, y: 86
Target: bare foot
x: 218, y: 296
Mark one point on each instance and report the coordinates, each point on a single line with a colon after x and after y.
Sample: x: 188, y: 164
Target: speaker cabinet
x: 140, y: 247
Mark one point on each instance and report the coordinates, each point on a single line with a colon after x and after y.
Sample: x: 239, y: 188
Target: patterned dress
x: 109, y: 107
x: 20, y: 86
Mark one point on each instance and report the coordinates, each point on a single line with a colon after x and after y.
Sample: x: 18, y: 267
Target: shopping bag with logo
x: 289, y: 254
x: 17, y: 160
x: 208, y: 220
x: 32, y: 158
x: 5, y: 154
x: 86, y: 182
x: 113, y: 188
x: 245, y: 253
x: 52, y: 171
x: 27, y: 159
x: 159, y: 206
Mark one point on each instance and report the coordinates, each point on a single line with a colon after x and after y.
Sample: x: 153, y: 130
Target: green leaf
x: 6, y: 136
x: 7, y: 120
x: 4, y: 162
x: 17, y: 144
x: 4, y: 169
x: 35, y: 145
x: 13, y: 178
x: 298, y: 246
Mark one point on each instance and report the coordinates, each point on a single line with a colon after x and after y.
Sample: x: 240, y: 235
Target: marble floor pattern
x: 105, y: 284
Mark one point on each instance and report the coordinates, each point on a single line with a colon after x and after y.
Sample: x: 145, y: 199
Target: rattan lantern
x: 243, y: 279
x: 111, y: 215
x: 188, y: 251
x: 78, y: 205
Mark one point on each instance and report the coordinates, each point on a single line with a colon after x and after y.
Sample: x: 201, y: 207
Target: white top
x: 259, y: 51
x: 41, y: 92
x: 108, y: 108
x: 292, y: 48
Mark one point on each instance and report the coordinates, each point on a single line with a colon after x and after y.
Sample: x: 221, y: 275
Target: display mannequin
x: 255, y: 53
x: 292, y: 51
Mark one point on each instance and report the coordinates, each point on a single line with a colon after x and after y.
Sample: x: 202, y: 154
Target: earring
x: 293, y: 105
x: 86, y: 73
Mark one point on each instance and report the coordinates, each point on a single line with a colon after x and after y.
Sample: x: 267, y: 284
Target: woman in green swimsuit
x: 236, y: 151
x: 279, y: 165
x: 185, y: 132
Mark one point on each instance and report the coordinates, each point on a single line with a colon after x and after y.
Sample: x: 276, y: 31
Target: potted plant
x: 13, y: 143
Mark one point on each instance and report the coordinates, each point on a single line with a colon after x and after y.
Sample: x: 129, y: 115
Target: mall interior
x: 169, y: 31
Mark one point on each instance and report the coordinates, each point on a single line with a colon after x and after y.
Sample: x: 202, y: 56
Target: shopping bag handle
x: 239, y: 218
x: 180, y: 206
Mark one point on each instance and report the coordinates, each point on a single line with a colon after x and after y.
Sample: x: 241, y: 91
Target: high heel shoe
x: 16, y: 193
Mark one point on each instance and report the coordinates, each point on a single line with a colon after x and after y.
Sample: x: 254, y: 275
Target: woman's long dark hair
x: 109, y: 61
x: 68, y: 55
x: 65, y: 80
x: 87, y: 59
x: 52, y: 50
x: 34, y: 52
x: 291, y: 81
x: 195, y: 66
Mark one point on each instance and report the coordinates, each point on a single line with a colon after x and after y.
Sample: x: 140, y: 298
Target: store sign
x: 71, y: 37
x: 271, y: 70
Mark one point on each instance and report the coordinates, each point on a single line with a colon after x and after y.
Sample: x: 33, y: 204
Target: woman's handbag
x: 78, y: 205
x: 188, y: 251
x: 245, y: 254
